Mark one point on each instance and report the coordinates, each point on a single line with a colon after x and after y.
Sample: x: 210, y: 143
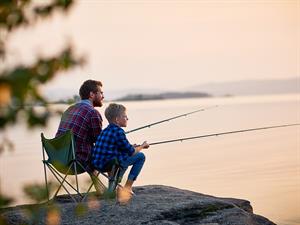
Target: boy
x: 112, y: 143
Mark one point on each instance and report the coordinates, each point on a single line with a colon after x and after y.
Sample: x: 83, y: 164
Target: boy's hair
x: 113, y: 111
x: 87, y: 87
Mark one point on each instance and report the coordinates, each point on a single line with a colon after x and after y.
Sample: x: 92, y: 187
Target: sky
x: 168, y: 45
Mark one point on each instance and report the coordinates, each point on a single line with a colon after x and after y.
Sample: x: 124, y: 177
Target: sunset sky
x: 169, y: 45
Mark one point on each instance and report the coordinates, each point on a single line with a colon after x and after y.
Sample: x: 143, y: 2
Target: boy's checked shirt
x: 86, y: 124
x: 111, y: 143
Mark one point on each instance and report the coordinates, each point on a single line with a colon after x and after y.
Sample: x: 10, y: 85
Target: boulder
x: 152, y: 204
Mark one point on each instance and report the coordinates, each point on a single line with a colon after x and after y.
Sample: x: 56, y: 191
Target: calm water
x: 262, y: 167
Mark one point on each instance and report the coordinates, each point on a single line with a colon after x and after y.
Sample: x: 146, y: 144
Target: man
x: 84, y: 121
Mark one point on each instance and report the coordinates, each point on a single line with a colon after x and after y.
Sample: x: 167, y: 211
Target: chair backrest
x: 61, y: 153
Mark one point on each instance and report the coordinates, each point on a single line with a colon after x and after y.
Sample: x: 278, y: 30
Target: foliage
x: 39, y: 211
x: 69, y: 101
x: 19, y: 86
x: 38, y: 193
x: 5, y: 200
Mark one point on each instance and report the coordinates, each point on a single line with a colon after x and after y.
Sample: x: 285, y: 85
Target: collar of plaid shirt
x: 86, y: 101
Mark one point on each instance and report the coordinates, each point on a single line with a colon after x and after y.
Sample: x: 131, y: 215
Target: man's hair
x: 113, y: 111
x: 87, y: 87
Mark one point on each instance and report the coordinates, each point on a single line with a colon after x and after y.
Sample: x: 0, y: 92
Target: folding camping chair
x: 62, y: 162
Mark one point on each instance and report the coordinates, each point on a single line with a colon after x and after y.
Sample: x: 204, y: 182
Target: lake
x: 260, y: 166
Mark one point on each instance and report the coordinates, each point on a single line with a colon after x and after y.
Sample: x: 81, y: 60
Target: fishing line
x: 222, y: 133
x: 169, y: 119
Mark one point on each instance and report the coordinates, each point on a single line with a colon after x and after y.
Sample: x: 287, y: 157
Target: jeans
x: 137, y: 161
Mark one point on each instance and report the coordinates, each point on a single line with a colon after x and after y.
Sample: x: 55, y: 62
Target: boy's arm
x: 123, y: 144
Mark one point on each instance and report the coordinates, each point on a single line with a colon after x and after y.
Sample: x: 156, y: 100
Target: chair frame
x: 74, y: 163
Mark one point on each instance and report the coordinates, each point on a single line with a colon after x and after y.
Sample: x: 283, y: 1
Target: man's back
x: 86, y: 124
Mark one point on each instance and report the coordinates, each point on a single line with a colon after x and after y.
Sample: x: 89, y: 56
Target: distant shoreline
x: 149, y: 97
x: 163, y: 96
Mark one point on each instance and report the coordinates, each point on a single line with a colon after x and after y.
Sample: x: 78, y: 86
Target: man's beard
x: 97, y: 103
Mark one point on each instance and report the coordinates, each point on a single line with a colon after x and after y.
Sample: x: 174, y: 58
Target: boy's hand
x: 139, y: 148
x: 145, y: 144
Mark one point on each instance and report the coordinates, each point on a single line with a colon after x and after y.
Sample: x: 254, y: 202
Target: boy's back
x: 111, y: 143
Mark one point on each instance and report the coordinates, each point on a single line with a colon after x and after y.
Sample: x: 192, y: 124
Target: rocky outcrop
x: 155, y: 204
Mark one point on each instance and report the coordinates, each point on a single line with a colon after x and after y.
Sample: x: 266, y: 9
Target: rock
x: 155, y: 204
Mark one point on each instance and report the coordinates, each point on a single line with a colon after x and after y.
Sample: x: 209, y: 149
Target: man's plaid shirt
x: 86, y: 124
x: 111, y: 143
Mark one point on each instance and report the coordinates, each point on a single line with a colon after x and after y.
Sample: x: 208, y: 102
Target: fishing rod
x: 169, y: 119
x: 223, y: 133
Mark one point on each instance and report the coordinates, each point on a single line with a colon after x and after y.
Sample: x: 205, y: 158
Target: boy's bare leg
x: 128, y: 185
x: 125, y: 194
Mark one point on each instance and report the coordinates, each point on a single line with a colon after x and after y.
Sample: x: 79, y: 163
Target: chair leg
x: 67, y: 192
x: 61, y: 184
x: 96, y: 182
x: 103, y: 174
x: 55, y: 172
x: 76, y: 178
x: 95, y: 179
x: 46, y: 181
x: 113, y: 179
